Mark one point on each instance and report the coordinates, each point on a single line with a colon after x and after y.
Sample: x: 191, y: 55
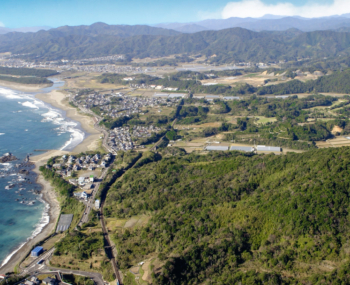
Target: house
x: 57, y: 166
x: 88, y: 186
x: 49, y: 281
x: 97, y: 204
x: 84, y: 195
x: 92, y: 178
x: 35, y: 279
x: 76, y: 167
x: 81, y: 180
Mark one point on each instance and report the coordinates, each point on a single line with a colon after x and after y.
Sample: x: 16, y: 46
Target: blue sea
x: 27, y: 124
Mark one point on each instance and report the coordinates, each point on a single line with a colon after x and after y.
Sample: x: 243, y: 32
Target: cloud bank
x: 2, y: 24
x: 256, y: 9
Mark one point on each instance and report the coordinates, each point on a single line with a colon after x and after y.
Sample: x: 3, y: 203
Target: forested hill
x: 228, y: 45
x: 233, y: 218
x: 336, y: 82
x: 27, y: 72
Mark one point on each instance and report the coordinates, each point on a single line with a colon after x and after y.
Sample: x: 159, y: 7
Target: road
x: 90, y: 203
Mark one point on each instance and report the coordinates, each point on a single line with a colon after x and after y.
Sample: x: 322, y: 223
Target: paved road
x: 97, y: 277
x: 34, y: 266
x: 90, y: 203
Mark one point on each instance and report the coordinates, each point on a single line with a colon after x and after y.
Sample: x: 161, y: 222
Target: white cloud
x: 256, y: 8
x: 2, y: 24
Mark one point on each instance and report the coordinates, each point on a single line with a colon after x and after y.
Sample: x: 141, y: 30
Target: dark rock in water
x: 7, y: 157
x: 23, y: 171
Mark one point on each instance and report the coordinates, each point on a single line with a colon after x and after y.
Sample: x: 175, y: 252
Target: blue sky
x: 54, y: 13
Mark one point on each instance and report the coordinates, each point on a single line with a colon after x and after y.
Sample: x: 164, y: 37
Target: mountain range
x: 266, y: 23
x: 222, y: 46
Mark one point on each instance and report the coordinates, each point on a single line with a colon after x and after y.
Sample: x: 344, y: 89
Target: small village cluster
x: 118, y: 105
x: 123, y: 138
x: 69, y: 164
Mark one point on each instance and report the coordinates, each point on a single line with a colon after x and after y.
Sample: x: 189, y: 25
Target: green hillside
x: 226, y: 218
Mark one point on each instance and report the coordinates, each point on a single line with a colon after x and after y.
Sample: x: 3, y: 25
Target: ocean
x: 27, y: 124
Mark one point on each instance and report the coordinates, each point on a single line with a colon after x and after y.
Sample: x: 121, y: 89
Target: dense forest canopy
x: 215, y: 217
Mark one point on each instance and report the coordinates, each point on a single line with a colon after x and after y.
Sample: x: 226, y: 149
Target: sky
x: 55, y: 13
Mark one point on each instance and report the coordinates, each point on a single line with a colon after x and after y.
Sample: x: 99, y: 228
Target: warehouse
x: 268, y: 148
x: 218, y: 148
x: 160, y: 95
x: 211, y: 97
x: 37, y: 251
x: 232, y: 98
x: 242, y: 148
x: 177, y: 95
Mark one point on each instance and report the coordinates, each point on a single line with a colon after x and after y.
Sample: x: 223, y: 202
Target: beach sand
x: 58, y: 100
x: 24, y: 87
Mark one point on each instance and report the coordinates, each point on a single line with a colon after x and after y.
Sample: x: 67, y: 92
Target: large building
x: 37, y: 251
x: 216, y: 148
x: 268, y: 148
x: 242, y: 148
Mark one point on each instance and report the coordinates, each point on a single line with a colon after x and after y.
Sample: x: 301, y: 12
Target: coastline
x: 23, y: 87
x: 58, y: 100
x: 49, y: 196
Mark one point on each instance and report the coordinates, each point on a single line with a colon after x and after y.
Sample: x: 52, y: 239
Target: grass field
x: 264, y: 120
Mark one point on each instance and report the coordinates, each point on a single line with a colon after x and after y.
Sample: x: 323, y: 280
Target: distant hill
x: 4, y: 30
x: 185, y: 28
x: 268, y: 23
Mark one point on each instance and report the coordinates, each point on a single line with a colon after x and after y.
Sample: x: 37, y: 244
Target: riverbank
x: 58, y: 99
x: 23, y: 87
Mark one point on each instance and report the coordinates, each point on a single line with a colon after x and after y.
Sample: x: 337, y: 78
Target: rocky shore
x: 7, y: 157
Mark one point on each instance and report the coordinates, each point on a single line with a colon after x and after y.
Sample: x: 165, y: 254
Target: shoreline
x: 48, y: 195
x: 58, y: 100
x: 23, y: 87
x: 90, y: 142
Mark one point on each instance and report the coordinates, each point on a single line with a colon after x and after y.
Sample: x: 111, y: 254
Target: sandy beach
x: 58, y: 100
x: 23, y: 87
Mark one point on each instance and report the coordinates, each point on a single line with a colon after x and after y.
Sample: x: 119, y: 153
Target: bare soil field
x: 336, y: 142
